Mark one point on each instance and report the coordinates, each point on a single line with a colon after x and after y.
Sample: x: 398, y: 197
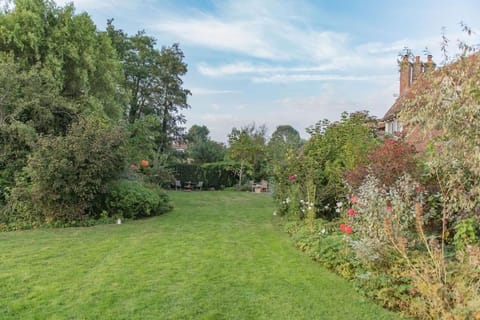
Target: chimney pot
x: 417, y: 59
x: 429, y: 58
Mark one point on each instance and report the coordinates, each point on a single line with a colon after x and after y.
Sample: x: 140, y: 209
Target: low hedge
x: 217, y: 175
x: 135, y: 199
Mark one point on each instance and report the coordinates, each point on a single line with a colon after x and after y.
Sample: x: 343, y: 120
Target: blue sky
x: 289, y: 61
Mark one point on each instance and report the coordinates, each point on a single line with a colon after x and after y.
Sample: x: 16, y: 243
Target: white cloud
x: 288, y: 78
x: 213, y: 33
x: 206, y: 91
x: 267, y: 29
x: 249, y: 68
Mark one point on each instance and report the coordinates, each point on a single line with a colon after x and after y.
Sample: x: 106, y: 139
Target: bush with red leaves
x: 388, y: 162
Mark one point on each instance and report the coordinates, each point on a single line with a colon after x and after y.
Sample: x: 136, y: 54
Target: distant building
x: 414, y: 83
x: 179, y: 147
x: 410, y: 72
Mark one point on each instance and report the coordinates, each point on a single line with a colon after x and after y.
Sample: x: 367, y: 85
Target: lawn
x: 217, y: 255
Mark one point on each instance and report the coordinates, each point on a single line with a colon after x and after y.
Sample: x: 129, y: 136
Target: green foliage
x: 219, y: 175
x: 142, y: 140
x: 283, y: 139
x: 247, y: 147
x: 134, y: 200
x: 466, y: 233
x: 153, y: 80
x: 62, y: 82
x: 68, y: 173
x: 188, y: 172
x: 201, y: 149
x: 446, y: 110
x: 206, y: 151
x: 17, y: 140
x: 69, y: 48
x: 332, y: 149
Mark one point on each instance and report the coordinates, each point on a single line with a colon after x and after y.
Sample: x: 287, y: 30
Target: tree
x: 447, y: 104
x: 201, y: 148
x: 197, y: 133
x: 247, y: 145
x: 284, y: 138
x: 333, y: 149
x: 153, y: 81
x: 68, y: 47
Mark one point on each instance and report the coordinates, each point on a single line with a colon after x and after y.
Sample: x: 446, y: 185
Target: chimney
x: 405, y: 74
x: 417, y: 69
x: 429, y: 65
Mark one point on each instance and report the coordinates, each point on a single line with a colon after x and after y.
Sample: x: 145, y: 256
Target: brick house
x: 410, y: 84
x: 419, y: 79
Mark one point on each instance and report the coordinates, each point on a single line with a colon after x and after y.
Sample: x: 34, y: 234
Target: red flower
x: 351, y: 212
x: 342, y: 227
x: 291, y: 177
x: 348, y: 230
x: 389, y: 208
x: 354, y: 199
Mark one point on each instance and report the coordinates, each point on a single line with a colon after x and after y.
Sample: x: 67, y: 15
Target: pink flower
x: 389, y: 208
x: 348, y: 230
x: 291, y: 177
x: 351, y: 212
x: 354, y: 199
x: 342, y: 227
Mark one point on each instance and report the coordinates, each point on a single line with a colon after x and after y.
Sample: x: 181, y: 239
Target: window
x: 393, y: 126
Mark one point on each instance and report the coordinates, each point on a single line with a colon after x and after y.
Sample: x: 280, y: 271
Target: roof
x: 419, y: 86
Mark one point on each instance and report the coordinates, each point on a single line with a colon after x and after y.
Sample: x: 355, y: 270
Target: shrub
x: 388, y: 163
x: 17, y: 140
x: 65, y: 174
x: 332, y: 149
x: 134, y: 199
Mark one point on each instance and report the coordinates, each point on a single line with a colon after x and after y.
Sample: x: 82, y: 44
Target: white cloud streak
x: 289, y: 78
x: 206, y: 91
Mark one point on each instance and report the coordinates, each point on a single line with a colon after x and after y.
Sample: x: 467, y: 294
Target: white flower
x: 287, y: 201
x: 339, y: 204
x: 274, y: 213
x: 323, y: 231
x: 337, y: 210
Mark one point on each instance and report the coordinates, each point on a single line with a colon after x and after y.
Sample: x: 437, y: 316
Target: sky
x: 289, y: 62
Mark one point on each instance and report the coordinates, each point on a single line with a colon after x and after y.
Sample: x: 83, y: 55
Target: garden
x: 402, y: 225
x: 217, y: 255
x: 95, y: 161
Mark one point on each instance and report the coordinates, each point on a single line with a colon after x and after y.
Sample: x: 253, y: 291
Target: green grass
x: 218, y: 255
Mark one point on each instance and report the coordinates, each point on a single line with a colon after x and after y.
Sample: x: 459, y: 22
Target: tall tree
x: 247, y: 145
x: 197, y: 133
x: 285, y: 137
x: 153, y: 81
x: 67, y: 46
